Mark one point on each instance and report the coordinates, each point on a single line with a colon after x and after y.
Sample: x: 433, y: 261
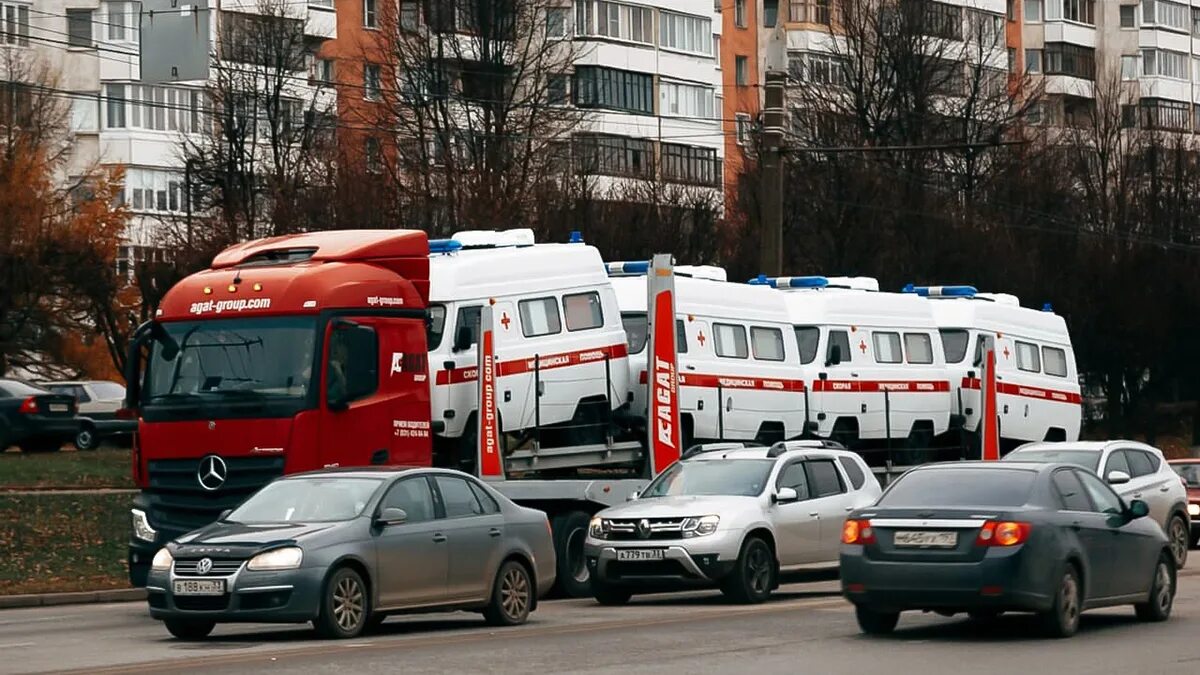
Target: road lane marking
x: 478, y: 635
x: 41, y: 619
x: 14, y: 645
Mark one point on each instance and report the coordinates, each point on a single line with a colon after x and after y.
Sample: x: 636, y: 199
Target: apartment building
x: 93, y: 47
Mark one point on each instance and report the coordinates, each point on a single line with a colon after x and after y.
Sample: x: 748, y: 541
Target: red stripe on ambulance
x: 548, y: 362
x: 1011, y: 389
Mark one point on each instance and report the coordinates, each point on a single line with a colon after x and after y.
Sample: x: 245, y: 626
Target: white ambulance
x: 870, y: 361
x: 737, y: 357
x: 560, y: 347
x: 1037, y: 386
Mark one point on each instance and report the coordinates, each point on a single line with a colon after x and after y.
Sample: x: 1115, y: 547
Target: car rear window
x: 12, y: 388
x: 1088, y: 459
x: 960, y: 487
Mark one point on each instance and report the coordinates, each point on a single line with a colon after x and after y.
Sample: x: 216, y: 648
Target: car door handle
x: 495, y: 532
x: 815, y: 514
x: 1165, y: 488
x: 1137, y: 495
x: 439, y: 538
x: 1076, y: 525
x: 849, y: 509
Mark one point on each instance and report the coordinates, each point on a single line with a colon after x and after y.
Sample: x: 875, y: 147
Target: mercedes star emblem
x: 212, y: 472
x: 211, y: 425
x: 204, y: 566
x: 644, y: 528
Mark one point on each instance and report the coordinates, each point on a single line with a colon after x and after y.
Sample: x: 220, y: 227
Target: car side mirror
x: 786, y: 496
x: 1138, y: 509
x: 462, y: 339
x: 391, y: 516
x: 1117, y: 478
x: 224, y: 515
x: 835, y: 356
x: 633, y: 497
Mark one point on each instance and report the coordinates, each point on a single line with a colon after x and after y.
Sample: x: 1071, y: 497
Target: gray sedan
x: 346, y: 548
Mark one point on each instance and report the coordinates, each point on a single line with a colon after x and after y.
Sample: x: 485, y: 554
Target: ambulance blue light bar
x: 576, y: 237
x: 444, y: 245
x: 941, y: 291
x: 1047, y: 308
x: 628, y: 268
x: 789, y: 282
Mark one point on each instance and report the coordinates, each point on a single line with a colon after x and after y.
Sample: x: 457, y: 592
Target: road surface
x: 807, y: 629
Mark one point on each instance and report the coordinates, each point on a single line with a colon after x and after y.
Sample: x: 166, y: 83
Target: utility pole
x: 772, y: 131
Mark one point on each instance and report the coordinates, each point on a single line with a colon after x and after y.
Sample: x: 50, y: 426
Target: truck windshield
x: 307, y: 500
x: 232, y: 359
x: 732, y: 477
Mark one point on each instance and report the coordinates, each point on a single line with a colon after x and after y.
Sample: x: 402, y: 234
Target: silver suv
x: 1135, y: 471
x: 730, y: 516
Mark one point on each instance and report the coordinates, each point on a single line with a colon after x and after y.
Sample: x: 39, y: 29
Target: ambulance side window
x: 808, y: 338
x: 539, y: 317
x: 918, y: 347
x: 839, y: 341
x: 680, y: 337
x: 1027, y: 357
x: 731, y: 341
x: 468, y: 319
x: 582, y: 311
x: 887, y: 347
x: 636, y: 331
x: 1055, y: 361
x: 435, y: 327
x: 954, y: 344
x: 767, y: 342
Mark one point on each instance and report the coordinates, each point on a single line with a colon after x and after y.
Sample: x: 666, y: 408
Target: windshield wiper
x: 173, y: 397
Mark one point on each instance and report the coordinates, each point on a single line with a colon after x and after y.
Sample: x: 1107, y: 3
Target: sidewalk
x: 80, y: 598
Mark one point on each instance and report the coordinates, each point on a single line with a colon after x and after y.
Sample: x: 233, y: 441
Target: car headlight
x: 596, y: 528
x: 280, y: 559
x: 1194, y: 509
x: 162, y: 560
x: 699, y: 527
x: 141, y: 526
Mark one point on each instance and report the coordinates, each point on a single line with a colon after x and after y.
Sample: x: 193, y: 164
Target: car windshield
x: 1189, y: 472
x: 231, y: 359
x: 307, y: 500
x: 1088, y: 459
x: 960, y: 487
x: 735, y: 477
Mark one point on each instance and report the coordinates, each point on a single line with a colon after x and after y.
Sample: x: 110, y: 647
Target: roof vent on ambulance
x: 494, y: 238
x: 855, y: 283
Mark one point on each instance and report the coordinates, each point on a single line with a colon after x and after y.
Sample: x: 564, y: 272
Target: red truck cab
x: 288, y: 354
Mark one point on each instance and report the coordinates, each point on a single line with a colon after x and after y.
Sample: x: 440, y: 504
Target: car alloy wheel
x: 759, y: 566
x: 1166, y: 589
x: 1063, y: 618
x: 1162, y: 591
x: 1179, y: 536
x: 514, y: 593
x: 348, y: 604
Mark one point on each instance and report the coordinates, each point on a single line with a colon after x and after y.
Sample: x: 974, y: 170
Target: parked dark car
x: 992, y: 537
x: 34, y: 419
x: 1189, y: 471
x: 100, y: 403
x: 346, y: 548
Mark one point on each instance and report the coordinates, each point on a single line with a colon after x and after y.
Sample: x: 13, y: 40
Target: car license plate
x: 929, y: 539
x: 58, y: 407
x: 200, y: 587
x: 641, y: 554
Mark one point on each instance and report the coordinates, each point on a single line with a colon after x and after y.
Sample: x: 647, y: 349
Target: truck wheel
x: 87, y: 439
x: 570, y: 531
x: 190, y: 629
x: 753, y: 575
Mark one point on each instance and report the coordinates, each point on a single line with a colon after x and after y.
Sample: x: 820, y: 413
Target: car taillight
x: 28, y: 406
x: 858, y: 532
x: 1003, y: 533
x: 127, y: 414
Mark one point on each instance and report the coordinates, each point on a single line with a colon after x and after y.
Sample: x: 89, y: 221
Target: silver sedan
x: 344, y: 549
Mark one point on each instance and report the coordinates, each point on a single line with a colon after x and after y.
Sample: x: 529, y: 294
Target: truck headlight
x: 280, y: 559
x: 1194, y: 509
x: 141, y: 526
x: 162, y: 560
x: 596, y: 528
x: 699, y: 527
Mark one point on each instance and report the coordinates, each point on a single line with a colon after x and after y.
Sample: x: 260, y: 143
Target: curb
x: 81, y: 598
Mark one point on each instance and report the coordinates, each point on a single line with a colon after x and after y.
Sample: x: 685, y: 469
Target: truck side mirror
x: 835, y: 356
x: 462, y: 339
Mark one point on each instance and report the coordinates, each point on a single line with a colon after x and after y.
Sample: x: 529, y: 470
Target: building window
x: 745, y: 128
x: 685, y: 33
x: 165, y: 109
x: 155, y: 191
x: 985, y: 28
x: 79, y: 28
x: 1079, y: 11
x: 944, y: 21
x: 556, y: 22
x: 739, y: 13
x: 121, y: 27
x: 1012, y: 10
x: 1068, y: 59
x: 818, y: 68
x: 1195, y: 20
x: 690, y: 164
x: 323, y: 71
x: 556, y: 89
x: 1129, y: 16
x: 16, y: 23
x: 811, y: 11
x: 1033, y: 61
x: 371, y: 82
x: 1165, y: 63
x: 597, y: 87
x: 770, y: 13
x: 1012, y: 60
x: 1129, y: 67
x: 603, y: 154
x: 374, y: 156
x: 741, y: 71
x: 114, y: 108
x: 410, y: 15
x: 687, y: 100
x: 1166, y: 15
x: 370, y: 15
x: 1033, y: 11
x: 598, y: 18
x: 1163, y: 114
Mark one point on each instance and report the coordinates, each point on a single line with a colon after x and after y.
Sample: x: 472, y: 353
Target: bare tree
x: 469, y: 116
